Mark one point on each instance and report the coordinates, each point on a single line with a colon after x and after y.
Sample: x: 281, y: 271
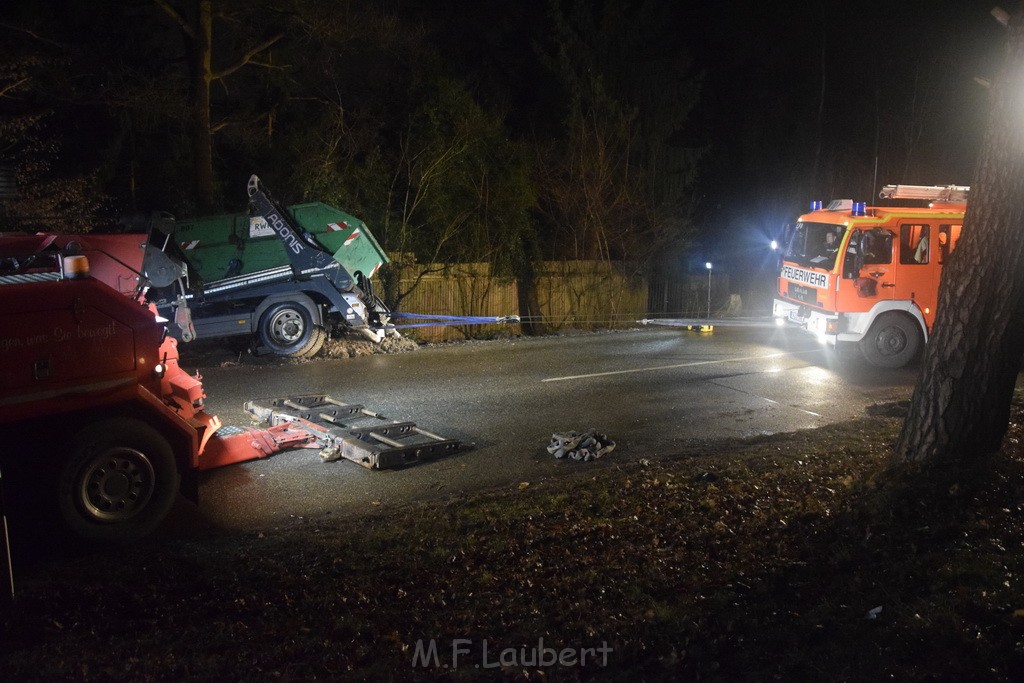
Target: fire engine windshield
x: 815, y: 244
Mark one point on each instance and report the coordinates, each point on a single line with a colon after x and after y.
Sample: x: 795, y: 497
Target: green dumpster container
x: 235, y: 244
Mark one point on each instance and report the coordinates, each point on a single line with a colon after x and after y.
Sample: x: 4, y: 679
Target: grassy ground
x: 796, y: 556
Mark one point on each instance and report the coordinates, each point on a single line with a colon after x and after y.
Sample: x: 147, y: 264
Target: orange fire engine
x: 868, y: 277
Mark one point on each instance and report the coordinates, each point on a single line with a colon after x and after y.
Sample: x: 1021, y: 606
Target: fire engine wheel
x: 287, y: 329
x: 119, y: 482
x: 892, y: 342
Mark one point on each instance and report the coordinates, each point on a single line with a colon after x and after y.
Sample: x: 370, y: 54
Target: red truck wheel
x: 119, y: 482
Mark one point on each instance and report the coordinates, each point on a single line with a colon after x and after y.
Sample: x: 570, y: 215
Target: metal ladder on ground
x: 353, y: 432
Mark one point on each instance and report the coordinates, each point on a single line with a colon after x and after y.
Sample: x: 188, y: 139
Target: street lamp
x: 708, y: 266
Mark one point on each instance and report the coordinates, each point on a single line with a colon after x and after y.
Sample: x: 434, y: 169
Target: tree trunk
x: 202, y: 135
x: 529, y: 258
x: 961, y: 404
x: 529, y: 308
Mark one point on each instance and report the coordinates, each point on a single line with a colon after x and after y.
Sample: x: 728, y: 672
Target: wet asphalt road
x: 655, y: 391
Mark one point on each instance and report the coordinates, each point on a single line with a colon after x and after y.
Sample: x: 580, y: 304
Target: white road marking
x: 779, y: 404
x: 679, y: 365
x: 726, y: 386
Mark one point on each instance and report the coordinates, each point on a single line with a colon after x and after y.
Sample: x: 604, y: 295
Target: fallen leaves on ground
x: 796, y: 556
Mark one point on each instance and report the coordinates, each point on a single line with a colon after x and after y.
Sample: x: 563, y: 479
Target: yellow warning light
x: 75, y: 266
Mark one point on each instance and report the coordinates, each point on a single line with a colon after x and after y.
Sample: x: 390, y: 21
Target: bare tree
x: 459, y: 192
x: 617, y: 186
x: 960, y: 408
x: 417, y: 173
x: 197, y: 28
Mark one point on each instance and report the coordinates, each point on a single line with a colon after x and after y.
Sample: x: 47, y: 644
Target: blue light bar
x: 816, y: 205
x: 859, y: 209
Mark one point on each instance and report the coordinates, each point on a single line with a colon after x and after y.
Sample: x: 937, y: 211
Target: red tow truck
x: 93, y: 401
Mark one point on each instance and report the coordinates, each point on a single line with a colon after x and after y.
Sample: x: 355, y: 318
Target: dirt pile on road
x: 351, y: 347
x: 224, y: 353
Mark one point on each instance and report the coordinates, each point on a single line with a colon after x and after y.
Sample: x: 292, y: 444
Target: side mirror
x: 160, y: 269
x: 163, y: 222
x: 787, y: 235
x: 781, y: 246
x: 853, y: 259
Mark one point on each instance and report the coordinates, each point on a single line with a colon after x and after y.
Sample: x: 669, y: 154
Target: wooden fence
x: 570, y: 294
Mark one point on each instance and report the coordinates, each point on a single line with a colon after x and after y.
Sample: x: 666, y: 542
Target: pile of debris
x: 584, y: 446
x: 350, y: 346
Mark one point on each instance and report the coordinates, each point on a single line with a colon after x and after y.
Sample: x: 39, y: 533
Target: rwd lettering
x: 807, y: 277
x: 258, y: 227
x: 287, y: 237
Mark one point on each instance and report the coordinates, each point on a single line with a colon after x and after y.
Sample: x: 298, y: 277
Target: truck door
x: 879, y: 269
x: 916, y: 274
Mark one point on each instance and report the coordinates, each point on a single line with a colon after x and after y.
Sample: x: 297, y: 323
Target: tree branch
x: 35, y: 35
x: 235, y: 122
x: 246, y: 58
x: 6, y: 89
x: 265, y: 65
x: 176, y: 16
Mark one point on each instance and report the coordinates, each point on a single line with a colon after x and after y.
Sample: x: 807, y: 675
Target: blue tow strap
x: 444, y: 320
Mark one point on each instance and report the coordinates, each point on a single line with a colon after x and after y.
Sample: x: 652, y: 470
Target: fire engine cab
x: 867, y: 277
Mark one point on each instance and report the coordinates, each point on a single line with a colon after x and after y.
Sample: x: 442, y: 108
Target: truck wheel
x: 893, y: 341
x: 316, y: 342
x: 287, y: 329
x: 119, y: 482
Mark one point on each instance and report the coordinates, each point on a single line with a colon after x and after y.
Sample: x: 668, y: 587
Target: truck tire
x: 288, y: 329
x: 119, y: 482
x: 893, y: 341
x: 316, y: 342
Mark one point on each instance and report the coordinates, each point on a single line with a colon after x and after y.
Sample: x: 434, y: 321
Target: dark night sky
x: 885, y: 66
x: 892, y: 72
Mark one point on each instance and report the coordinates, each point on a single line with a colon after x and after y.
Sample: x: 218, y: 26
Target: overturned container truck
x: 281, y: 279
